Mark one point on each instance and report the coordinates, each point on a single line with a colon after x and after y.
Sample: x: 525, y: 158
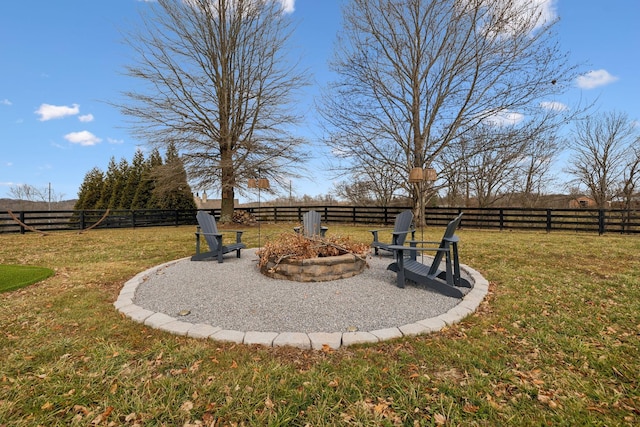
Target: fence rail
x: 584, y: 220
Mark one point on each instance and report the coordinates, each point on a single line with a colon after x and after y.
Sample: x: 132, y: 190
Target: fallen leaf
x: 471, y: 409
x: 326, y: 348
x: 186, y: 406
x: 196, y: 366
x: 268, y: 403
x: 440, y: 419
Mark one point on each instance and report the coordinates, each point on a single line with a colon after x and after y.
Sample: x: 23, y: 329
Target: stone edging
x: 314, y: 340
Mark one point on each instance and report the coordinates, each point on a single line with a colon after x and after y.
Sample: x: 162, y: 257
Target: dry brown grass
x: 555, y: 343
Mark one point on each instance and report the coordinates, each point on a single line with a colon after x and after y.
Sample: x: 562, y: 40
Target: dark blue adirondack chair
x: 311, y: 225
x: 446, y: 282
x: 401, y: 228
x: 208, y: 229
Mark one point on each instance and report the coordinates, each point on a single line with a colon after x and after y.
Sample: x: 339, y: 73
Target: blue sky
x: 61, y: 62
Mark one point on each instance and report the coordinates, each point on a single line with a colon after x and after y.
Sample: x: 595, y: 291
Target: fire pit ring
x: 320, y: 269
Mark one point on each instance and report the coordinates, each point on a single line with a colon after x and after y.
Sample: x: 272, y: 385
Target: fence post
x: 601, y: 218
x: 501, y: 219
x: 548, y: 220
x: 22, y: 230
x: 354, y: 215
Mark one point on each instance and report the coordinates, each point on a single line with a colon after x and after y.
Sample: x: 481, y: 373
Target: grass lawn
x: 556, y: 342
x: 14, y: 277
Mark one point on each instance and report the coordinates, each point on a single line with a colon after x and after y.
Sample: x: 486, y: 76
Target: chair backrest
x: 448, y: 234
x: 402, y: 225
x: 311, y: 224
x: 452, y: 227
x: 207, y: 224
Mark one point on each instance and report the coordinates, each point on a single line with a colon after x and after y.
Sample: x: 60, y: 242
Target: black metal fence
x: 584, y: 220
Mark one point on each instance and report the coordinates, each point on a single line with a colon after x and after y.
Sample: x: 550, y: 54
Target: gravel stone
x: 235, y: 296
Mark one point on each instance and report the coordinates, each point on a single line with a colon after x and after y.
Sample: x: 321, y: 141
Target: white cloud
x: 86, y: 118
x: 554, y: 106
x: 48, y: 111
x: 6, y: 102
x: 288, y: 6
x: 115, y: 141
x: 523, y: 15
x: 84, y: 138
x: 594, y: 79
x: 504, y: 118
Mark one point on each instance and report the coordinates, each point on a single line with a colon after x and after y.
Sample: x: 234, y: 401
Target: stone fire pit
x: 319, y: 269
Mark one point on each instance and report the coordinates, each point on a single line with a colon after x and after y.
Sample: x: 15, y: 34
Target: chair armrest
x: 401, y: 248
x: 380, y: 229
x: 219, y: 233
x: 208, y: 234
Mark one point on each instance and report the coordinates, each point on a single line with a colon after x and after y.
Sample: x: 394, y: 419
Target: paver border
x: 315, y: 340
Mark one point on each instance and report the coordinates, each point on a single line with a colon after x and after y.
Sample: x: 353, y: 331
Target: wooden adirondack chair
x: 311, y: 225
x: 401, y: 228
x: 208, y: 229
x: 446, y: 282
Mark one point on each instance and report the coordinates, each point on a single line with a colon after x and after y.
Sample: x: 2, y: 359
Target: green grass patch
x: 14, y: 277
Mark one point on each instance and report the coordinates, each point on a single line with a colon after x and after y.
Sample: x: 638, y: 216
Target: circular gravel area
x: 234, y: 295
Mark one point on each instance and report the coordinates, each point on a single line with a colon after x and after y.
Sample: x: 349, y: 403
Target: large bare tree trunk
x: 228, y: 184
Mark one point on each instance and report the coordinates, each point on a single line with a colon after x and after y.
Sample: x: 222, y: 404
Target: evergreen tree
x: 107, y: 187
x: 134, y: 180
x: 90, y: 190
x: 172, y: 191
x: 120, y: 178
x: 143, y: 198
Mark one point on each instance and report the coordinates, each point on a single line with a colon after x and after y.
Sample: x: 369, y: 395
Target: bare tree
x: 485, y: 162
x: 216, y: 82
x: 534, y: 177
x: 494, y: 164
x: 30, y: 193
x: 601, y: 147
x: 355, y: 192
x: 630, y: 181
x: 415, y: 75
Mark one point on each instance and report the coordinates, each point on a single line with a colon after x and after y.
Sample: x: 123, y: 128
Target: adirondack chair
x: 446, y: 282
x: 311, y: 225
x: 401, y: 228
x: 208, y: 229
